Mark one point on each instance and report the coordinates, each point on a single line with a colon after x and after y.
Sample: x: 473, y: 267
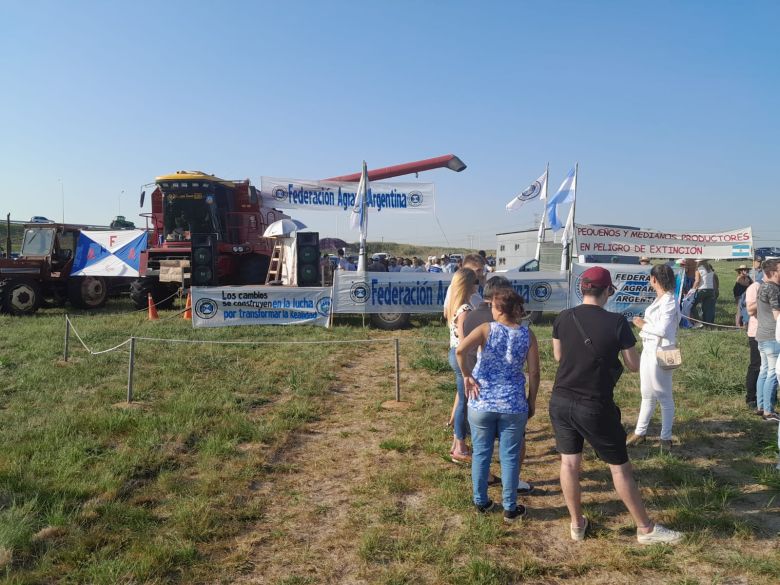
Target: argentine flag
x: 565, y: 194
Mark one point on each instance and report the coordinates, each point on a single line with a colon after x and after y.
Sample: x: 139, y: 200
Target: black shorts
x: 576, y: 420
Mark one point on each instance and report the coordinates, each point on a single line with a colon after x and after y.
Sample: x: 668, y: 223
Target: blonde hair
x: 461, y: 289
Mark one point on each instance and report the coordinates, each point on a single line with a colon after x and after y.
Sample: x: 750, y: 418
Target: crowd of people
x: 492, y: 351
x: 380, y: 263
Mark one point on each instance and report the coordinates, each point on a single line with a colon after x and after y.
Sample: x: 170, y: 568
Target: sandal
x: 458, y: 457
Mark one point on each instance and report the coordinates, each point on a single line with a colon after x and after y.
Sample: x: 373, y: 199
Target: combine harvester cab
x: 42, y: 271
x: 221, y: 222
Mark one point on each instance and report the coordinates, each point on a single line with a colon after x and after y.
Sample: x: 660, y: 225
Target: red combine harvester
x: 212, y: 230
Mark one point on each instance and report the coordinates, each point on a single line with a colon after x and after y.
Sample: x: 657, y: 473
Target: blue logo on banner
x: 541, y: 291
x: 359, y: 292
x: 323, y: 306
x: 205, y: 308
x: 415, y: 199
x: 740, y: 251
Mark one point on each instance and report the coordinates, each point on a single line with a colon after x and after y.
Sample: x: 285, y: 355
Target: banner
x: 108, y: 253
x: 259, y: 305
x: 424, y: 292
x: 633, y: 293
x: 594, y: 239
x: 330, y: 196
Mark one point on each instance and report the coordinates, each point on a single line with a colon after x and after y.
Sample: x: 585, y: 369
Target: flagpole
x: 540, y: 235
x: 363, y: 221
x: 567, y: 245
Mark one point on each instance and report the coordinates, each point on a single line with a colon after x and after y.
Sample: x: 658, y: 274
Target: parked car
x: 767, y: 251
x: 40, y: 219
x: 529, y: 265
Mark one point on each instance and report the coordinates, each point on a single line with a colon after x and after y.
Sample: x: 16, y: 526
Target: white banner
x: 594, y: 239
x: 424, y: 292
x: 633, y: 293
x: 259, y: 305
x: 330, y: 196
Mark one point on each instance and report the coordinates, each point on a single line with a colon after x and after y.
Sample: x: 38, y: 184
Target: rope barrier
x: 89, y: 350
x: 714, y: 324
x: 216, y: 342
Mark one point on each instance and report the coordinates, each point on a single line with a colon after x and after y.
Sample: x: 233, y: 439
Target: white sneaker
x: 660, y: 535
x: 577, y: 533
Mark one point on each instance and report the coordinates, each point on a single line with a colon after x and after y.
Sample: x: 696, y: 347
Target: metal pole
x: 130, y: 371
x: 67, y: 338
x: 397, y: 371
x: 541, y: 233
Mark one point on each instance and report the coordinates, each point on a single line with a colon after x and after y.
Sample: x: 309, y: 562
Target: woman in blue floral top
x: 498, y: 406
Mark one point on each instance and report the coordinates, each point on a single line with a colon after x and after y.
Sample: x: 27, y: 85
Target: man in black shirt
x: 587, y: 341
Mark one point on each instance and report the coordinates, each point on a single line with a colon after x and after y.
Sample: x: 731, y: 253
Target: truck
x: 195, y: 213
x: 42, y: 272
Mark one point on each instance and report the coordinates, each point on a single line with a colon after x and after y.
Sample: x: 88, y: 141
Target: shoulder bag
x: 668, y: 358
x: 614, y: 373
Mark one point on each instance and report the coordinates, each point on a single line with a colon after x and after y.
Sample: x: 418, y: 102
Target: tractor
x: 41, y: 272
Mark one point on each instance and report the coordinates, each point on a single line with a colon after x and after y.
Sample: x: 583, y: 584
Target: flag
x: 358, y: 219
x: 568, y: 231
x: 536, y: 189
x: 565, y: 194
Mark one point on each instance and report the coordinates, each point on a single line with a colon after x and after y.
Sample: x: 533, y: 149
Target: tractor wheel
x: 390, y: 321
x: 162, y: 294
x: 21, y: 297
x: 253, y: 269
x: 88, y: 292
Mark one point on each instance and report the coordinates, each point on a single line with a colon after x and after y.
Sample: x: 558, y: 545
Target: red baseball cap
x: 595, y: 277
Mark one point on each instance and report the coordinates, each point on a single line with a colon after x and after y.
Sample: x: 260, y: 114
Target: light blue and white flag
x: 565, y: 194
x: 536, y: 189
x: 358, y: 219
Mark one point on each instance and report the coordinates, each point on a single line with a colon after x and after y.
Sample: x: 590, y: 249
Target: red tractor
x: 41, y: 273
x: 214, y: 227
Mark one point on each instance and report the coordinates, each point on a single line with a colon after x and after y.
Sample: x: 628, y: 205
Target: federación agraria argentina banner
x: 595, y: 239
x: 424, y: 292
x: 330, y: 196
x: 633, y: 293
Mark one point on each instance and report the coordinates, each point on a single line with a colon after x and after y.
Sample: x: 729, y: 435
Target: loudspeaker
x: 307, y: 254
x: 204, y: 260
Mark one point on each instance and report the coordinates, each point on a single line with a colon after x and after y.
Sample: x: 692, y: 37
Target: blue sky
x: 670, y: 108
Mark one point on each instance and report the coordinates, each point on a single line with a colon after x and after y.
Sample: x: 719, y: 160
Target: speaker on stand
x: 204, y: 260
x: 307, y: 255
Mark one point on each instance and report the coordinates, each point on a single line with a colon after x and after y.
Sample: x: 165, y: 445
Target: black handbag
x: 614, y: 373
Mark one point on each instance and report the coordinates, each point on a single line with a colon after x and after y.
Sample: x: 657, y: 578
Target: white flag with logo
x: 358, y: 219
x: 536, y: 189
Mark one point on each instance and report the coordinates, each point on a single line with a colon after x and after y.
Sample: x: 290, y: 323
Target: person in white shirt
x: 658, y: 329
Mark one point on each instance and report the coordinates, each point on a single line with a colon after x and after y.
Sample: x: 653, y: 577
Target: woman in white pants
x: 658, y: 330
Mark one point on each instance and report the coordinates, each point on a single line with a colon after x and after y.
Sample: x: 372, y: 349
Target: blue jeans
x: 768, y: 375
x: 510, y: 429
x: 460, y: 422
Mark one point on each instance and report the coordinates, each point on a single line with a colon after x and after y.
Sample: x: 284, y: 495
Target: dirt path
x: 311, y: 532
x: 307, y: 525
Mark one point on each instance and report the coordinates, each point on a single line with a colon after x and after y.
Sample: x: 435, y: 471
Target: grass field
x: 277, y: 464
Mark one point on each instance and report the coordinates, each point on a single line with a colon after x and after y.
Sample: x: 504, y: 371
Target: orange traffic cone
x: 188, y: 308
x: 152, y: 308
